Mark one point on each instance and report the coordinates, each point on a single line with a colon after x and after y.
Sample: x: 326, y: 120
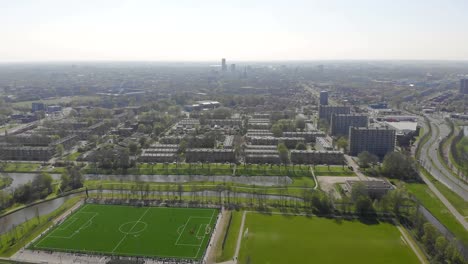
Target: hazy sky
x: 49, y: 30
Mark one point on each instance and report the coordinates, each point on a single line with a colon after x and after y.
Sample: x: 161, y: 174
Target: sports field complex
x: 157, y: 232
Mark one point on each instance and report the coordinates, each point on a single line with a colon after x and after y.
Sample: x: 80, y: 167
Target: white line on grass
x: 209, y: 224
x: 141, y: 217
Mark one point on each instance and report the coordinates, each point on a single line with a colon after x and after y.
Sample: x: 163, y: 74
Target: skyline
x: 243, y: 31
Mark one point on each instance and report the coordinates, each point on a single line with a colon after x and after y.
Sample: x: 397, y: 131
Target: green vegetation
x: 273, y: 170
x: 5, y: 181
x: 227, y: 253
x: 437, y: 208
x: 333, y: 171
x: 22, y: 234
x: 298, y: 239
x: 170, y: 169
x: 133, y: 231
x: 73, y: 156
x: 19, y: 167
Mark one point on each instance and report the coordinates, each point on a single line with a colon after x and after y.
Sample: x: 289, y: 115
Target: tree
x: 429, y: 237
x: 133, y: 148
x: 276, y: 130
x: 301, y: 146
x: 283, y: 153
x: 59, y: 150
x: 300, y: 123
x: 323, y: 125
x: 358, y: 190
x: 342, y: 143
x: 440, y: 247
x: 363, y: 206
x: 366, y: 159
x: 399, y: 165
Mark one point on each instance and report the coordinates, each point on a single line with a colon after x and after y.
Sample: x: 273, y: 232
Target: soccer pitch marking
x: 209, y: 224
x: 129, y: 231
x: 180, y: 234
x: 74, y: 218
x: 81, y: 220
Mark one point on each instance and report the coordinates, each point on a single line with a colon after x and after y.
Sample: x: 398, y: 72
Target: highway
x: 430, y: 160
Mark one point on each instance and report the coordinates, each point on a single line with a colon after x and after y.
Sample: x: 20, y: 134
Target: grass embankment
x: 227, y: 253
x: 333, y: 171
x: 21, y: 167
x: 299, y: 239
x: 428, y: 199
x: 169, y: 169
x: 293, y: 189
x: 273, y: 170
x: 24, y: 233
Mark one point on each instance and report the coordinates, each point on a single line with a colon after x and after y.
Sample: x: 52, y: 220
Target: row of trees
x: 396, y: 165
x: 39, y: 188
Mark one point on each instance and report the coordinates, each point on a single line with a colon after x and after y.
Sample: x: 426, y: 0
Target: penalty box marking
x: 180, y: 235
x: 83, y: 226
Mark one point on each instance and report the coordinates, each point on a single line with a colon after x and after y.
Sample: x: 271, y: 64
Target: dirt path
x: 217, y: 237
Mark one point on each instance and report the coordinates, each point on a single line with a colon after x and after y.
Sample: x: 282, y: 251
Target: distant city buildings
x: 377, y: 141
x: 223, y: 64
x: 233, y: 67
x: 464, y: 86
x: 324, y: 98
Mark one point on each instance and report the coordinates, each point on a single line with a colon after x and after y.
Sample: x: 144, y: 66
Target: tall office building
x: 339, y: 125
x: 233, y: 67
x: 464, y: 86
x: 377, y: 141
x: 223, y: 64
x: 324, y: 98
x: 326, y: 111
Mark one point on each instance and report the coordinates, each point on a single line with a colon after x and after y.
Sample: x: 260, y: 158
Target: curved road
x: 430, y: 160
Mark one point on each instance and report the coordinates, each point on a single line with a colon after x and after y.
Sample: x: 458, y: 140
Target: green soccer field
x: 133, y: 231
x: 277, y: 239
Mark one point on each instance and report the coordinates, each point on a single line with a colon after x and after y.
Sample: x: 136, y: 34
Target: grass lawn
x: 438, y: 209
x: 19, y: 167
x: 273, y: 170
x: 227, y: 253
x: 181, y: 233
x: 297, y: 239
x: 333, y: 171
x: 73, y: 156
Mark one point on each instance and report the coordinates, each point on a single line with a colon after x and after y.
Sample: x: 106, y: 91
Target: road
x: 430, y: 160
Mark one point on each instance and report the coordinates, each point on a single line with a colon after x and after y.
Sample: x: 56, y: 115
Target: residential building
x: 340, y: 123
x: 377, y: 141
x: 326, y: 111
x: 323, y: 98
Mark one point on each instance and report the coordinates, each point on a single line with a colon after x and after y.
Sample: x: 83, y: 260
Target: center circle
x: 134, y: 227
